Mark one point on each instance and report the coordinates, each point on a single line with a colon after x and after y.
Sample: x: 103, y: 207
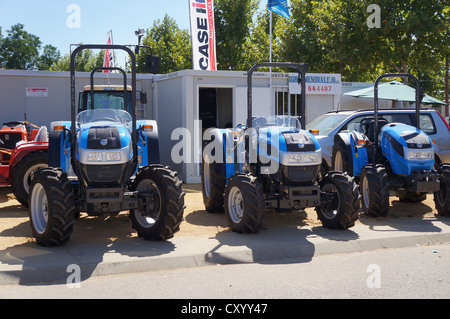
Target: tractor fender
x: 56, y: 144
x: 343, y: 143
x: 150, y: 152
x: 24, y: 150
x: 355, y: 156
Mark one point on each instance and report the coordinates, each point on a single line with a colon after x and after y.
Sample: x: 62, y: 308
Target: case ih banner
x: 203, y: 35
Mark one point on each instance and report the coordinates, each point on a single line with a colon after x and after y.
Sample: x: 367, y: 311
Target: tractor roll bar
x: 419, y: 97
x: 133, y: 91
x: 302, y: 68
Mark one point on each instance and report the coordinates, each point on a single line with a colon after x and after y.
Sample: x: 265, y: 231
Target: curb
x: 37, y: 265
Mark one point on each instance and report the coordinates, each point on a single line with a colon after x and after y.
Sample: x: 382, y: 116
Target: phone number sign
x: 317, y: 83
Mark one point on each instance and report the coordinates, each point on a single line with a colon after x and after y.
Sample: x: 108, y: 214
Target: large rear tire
x: 374, y: 190
x: 244, y: 204
x: 161, y: 214
x: 21, y: 176
x: 442, y: 197
x: 213, y: 185
x: 342, y: 212
x: 52, y: 207
x: 340, y: 158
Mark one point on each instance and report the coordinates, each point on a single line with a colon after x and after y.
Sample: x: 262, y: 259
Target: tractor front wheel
x: 161, y: 213
x: 244, y: 204
x: 341, y: 205
x: 52, y: 207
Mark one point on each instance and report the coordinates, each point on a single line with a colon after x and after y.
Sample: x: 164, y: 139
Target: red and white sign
x: 203, y: 35
x: 108, y: 62
x: 36, y: 92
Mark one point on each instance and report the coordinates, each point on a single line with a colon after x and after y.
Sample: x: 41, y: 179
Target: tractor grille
x: 300, y: 174
x: 104, y: 173
x: 107, y: 175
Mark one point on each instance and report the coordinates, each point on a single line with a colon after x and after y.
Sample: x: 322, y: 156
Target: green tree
x: 19, y: 49
x: 86, y: 61
x: 49, y: 56
x: 170, y: 43
x: 234, y: 23
x: 334, y: 36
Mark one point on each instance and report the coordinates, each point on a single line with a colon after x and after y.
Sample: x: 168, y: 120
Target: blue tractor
x: 102, y: 162
x: 270, y: 162
x: 392, y: 156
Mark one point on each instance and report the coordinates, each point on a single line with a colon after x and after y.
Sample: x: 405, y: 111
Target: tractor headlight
x: 95, y: 157
x: 101, y: 157
x: 311, y: 158
x: 419, y: 155
x: 114, y: 156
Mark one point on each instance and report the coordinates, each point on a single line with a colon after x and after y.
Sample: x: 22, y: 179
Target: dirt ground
x: 15, y: 229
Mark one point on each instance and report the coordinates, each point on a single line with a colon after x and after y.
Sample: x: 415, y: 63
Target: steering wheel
x: 15, y: 123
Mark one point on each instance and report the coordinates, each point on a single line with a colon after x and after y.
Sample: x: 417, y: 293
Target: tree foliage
x: 20, y: 50
x: 330, y: 35
x: 86, y: 61
x: 170, y: 43
x: 233, y: 22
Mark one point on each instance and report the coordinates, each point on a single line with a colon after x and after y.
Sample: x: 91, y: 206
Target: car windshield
x: 326, y: 123
x: 109, y: 115
x: 276, y: 120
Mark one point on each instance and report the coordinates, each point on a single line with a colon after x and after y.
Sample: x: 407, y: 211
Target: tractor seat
x: 381, y: 122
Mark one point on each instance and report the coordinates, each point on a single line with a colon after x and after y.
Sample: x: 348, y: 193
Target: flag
x: 203, y: 35
x: 109, y: 54
x: 280, y: 7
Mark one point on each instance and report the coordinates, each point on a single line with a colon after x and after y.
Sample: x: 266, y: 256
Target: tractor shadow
x: 98, y: 246
x: 286, y: 237
x: 408, y: 217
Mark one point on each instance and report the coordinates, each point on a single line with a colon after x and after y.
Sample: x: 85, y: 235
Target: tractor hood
x: 408, y: 136
x: 106, y: 140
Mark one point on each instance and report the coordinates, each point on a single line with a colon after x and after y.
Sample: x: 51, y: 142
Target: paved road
x: 413, y: 272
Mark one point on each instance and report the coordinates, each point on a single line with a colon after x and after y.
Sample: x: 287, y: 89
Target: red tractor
x: 22, y: 151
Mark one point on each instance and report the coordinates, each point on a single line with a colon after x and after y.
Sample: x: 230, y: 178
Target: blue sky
x: 48, y: 19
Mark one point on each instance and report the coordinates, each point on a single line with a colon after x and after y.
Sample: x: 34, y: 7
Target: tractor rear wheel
x: 213, y: 185
x: 374, y: 190
x: 244, y: 204
x: 340, y: 158
x: 21, y: 176
x: 161, y: 214
x: 52, y: 207
x: 442, y: 197
x: 342, y: 211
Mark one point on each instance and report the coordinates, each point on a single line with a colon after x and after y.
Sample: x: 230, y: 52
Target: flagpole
x: 270, y: 49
